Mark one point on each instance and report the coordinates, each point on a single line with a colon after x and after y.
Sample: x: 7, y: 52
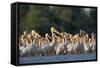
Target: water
x: 59, y: 58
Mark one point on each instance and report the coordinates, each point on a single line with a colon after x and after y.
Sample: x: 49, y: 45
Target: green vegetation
x: 69, y: 19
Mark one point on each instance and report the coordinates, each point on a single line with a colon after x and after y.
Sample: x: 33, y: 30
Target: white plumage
x: 33, y: 44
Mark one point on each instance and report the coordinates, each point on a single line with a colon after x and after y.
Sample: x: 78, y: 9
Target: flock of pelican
x: 33, y: 44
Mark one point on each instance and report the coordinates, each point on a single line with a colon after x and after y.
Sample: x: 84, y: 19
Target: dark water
x: 43, y: 59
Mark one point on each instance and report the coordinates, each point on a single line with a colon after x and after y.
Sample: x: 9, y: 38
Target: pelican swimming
x: 57, y: 43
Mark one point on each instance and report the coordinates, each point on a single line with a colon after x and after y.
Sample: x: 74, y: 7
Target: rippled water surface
x: 59, y: 58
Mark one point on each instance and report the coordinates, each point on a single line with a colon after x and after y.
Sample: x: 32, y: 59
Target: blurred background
x: 65, y: 19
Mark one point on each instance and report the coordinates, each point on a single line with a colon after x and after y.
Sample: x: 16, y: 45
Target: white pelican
x: 53, y: 30
x: 28, y: 50
x: 35, y: 34
x: 86, y: 43
x: 48, y: 47
x: 92, y: 42
x: 58, y: 43
x: 71, y: 44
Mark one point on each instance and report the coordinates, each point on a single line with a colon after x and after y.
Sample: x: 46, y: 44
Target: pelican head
x: 52, y: 28
x: 25, y: 33
x: 62, y: 33
x: 80, y: 30
x: 33, y: 31
x: 22, y: 36
x: 93, y: 35
x: 46, y: 35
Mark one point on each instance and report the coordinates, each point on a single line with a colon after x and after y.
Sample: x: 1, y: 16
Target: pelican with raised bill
x: 59, y: 43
